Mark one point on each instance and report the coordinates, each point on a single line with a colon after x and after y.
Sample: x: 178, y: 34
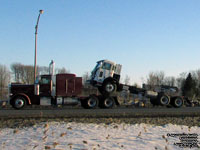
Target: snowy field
x: 82, y: 136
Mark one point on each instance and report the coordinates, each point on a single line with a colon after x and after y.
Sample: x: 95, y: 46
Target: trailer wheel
x: 163, y: 99
x: 19, y: 102
x: 107, y: 102
x: 90, y: 103
x: 153, y: 101
x: 178, y: 102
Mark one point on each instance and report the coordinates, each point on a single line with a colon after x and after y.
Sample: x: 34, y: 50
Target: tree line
x: 187, y: 82
x: 20, y: 73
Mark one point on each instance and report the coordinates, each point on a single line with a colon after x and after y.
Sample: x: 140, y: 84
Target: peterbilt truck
x: 59, y: 89
x: 104, y: 90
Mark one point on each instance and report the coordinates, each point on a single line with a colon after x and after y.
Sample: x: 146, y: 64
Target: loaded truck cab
x: 106, y: 76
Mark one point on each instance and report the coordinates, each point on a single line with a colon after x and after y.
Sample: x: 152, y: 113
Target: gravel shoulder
x: 21, y: 123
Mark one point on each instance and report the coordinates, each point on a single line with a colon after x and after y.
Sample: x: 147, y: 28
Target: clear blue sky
x: 142, y: 35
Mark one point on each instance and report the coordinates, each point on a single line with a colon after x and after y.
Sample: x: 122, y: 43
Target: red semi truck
x: 59, y: 89
x: 104, y: 90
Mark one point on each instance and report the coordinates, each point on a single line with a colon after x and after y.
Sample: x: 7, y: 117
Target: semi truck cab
x: 47, y: 90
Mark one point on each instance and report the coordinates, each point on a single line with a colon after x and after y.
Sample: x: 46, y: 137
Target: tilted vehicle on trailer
x: 106, y: 76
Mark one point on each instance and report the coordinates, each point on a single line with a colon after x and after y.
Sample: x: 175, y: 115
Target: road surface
x: 99, y: 113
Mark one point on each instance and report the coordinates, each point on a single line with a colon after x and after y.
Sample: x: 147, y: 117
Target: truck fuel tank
x: 67, y: 101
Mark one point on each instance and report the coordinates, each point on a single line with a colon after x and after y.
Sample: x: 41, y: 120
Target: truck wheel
x: 107, y: 102
x: 90, y: 103
x: 109, y: 87
x: 163, y: 100
x: 178, y: 102
x: 153, y: 101
x: 19, y: 102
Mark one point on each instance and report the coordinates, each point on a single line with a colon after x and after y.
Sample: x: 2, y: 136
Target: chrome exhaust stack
x: 51, y: 68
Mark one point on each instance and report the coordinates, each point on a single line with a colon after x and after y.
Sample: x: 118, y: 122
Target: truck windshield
x: 99, y: 64
x: 107, y: 66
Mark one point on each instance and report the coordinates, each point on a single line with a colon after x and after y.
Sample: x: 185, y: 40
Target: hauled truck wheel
x: 108, y: 87
x: 90, y: 103
x: 177, y: 102
x: 18, y: 102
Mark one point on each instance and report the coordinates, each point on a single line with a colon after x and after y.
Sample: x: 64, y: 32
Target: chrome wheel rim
x: 178, y: 102
x: 108, y: 102
x: 109, y: 87
x: 92, y: 102
x: 164, y: 101
x: 19, y: 103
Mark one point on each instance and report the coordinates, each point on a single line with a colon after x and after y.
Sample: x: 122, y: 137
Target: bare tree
x: 181, y: 79
x: 28, y: 74
x: 61, y: 70
x: 23, y: 73
x: 4, y: 81
x: 43, y: 70
x: 86, y: 76
x: 16, y: 69
x: 170, y: 81
x: 155, y: 78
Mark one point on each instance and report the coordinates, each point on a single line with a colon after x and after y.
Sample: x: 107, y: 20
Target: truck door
x: 45, y: 85
x: 105, y: 71
x: 70, y: 86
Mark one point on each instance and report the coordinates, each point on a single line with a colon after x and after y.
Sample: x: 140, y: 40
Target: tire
x: 109, y: 87
x: 177, y: 102
x: 90, y: 103
x: 153, y: 101
x: 107, y: 102
x: 163, y: 100
x: 19, y: 102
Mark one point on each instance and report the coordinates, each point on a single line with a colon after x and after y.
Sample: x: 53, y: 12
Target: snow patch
x: 76, y: 136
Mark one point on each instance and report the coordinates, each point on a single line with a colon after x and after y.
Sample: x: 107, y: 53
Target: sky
x: 143, y: 36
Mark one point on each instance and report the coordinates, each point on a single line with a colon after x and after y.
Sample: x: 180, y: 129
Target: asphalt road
x: 99, y: 113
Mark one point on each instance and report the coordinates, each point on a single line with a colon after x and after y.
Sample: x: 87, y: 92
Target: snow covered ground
x: 82, y: 136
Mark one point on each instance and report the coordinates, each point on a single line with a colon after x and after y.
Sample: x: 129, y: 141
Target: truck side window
x: 106, y: 66
x: 45, y: 80
x: 101, y: 74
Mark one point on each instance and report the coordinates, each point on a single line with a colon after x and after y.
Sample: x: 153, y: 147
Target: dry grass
x: 21, y: 123
x: 35, y: 146
x: 69, y: 128
x: 145, y: 130
x: 16, y: 131
x: 108, y: 137
x: 45, y: 131
x: 63, y: 134
x: 46, y: 126
x: 44, y: 138
x: 55, y: 144
x: 47, y: 147
x: 140, y: 133
x: 85, y: 142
